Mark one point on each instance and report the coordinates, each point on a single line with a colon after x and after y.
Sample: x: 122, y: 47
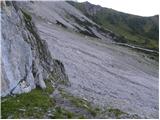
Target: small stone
x: 23, y: 110
x: 50, y: 115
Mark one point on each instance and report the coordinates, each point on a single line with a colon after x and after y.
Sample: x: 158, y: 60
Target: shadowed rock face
x: 104, y: 73
x: 26, y: 61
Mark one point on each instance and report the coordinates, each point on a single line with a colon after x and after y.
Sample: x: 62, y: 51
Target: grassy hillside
x: 137, y: 30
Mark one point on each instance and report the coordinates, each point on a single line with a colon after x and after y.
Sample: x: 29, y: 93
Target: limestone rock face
x: 26, y: 61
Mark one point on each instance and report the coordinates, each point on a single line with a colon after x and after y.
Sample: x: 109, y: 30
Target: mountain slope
x: 142, y: 31
x: 121, y: 81
x: 99, y: 71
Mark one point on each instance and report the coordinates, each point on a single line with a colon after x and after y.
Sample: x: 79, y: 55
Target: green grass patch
x: 27, y: 105
x: 35, y: 104
x: 49, y: 89
x: 81, y: 103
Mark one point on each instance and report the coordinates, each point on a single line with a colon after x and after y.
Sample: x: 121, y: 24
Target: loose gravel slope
x: 101, y: 72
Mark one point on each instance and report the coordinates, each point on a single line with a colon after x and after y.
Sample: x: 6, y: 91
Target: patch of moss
x: 49, y: 88
x: 116, y: 112
x: 26, y: 15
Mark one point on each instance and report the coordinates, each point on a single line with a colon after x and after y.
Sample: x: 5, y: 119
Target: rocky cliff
x: 26, y: 61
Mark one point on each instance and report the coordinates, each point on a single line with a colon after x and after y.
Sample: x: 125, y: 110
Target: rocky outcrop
x: 26, y: 61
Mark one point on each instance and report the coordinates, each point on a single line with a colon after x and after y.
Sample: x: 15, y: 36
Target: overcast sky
x: 137, y: 7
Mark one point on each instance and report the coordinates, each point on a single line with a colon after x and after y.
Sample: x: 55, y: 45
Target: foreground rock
x: 26, y: 61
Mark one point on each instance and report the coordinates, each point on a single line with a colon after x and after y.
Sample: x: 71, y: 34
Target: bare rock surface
x: 26, y: 60
x: 15, y: 64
